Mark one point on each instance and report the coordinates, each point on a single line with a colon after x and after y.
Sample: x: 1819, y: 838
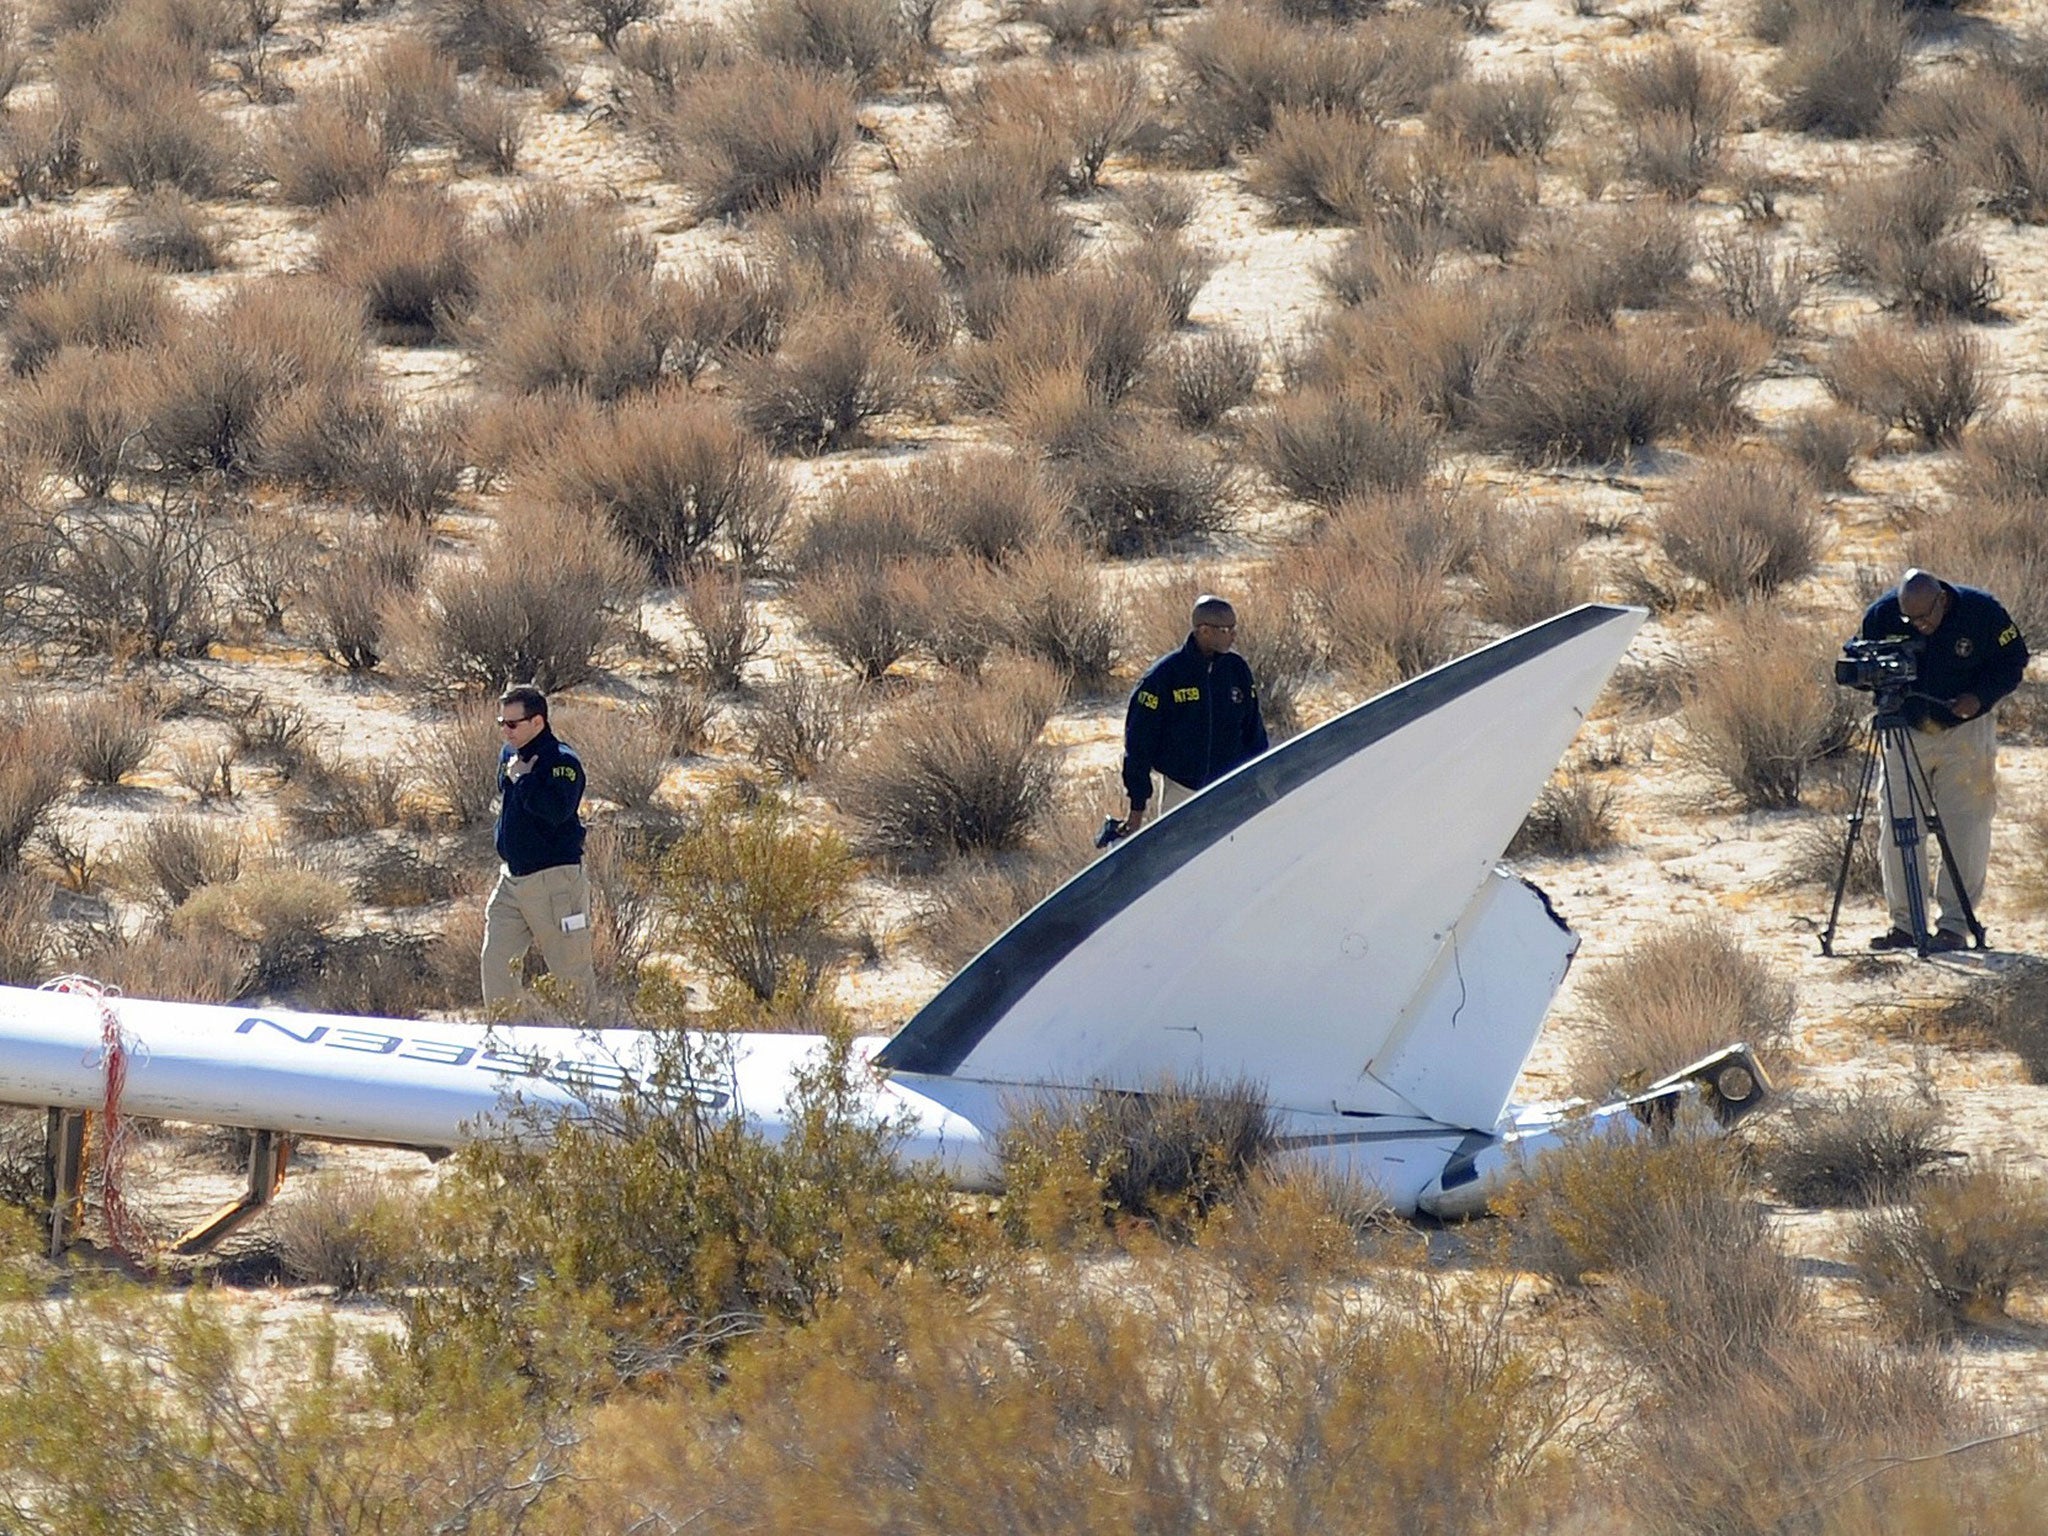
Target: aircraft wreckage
x: 1329, y: 922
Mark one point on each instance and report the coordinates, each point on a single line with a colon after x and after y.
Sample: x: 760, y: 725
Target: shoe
x: 1898, y: 938
x: 1945, y: 942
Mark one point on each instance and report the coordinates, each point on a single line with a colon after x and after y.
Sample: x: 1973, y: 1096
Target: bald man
x: 1193, y: 717
x: 1973, y: 656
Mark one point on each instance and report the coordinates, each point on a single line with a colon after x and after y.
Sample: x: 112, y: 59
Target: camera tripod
x: 1909, y: 805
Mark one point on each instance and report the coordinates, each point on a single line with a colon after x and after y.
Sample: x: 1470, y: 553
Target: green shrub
x: 286, y: 913
x: 756, y: 896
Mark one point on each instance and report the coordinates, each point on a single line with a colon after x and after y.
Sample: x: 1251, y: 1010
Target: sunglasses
x: 506, y: 725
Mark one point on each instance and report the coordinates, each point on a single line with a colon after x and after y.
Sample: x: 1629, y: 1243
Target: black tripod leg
x: 1905, y: 786
x: 1871, y: 755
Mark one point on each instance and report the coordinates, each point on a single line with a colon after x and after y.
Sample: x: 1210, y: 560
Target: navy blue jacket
x: 537, y: 823
x: 1978, y: 649
x: 1192, y: 718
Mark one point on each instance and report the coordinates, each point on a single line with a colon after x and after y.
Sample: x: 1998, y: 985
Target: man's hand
x: 1135, y: 820
x: 1966, y: 707
x: 518, y: 768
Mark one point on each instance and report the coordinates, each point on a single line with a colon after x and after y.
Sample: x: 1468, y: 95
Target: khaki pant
x: 1171, y: 793
x: 531, y: 909
x: 1961, y: 767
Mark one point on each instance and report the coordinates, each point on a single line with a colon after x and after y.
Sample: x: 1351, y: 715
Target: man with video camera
x: 1967, y: 655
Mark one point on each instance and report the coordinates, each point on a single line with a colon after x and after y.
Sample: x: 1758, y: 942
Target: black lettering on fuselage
x: 318, y: 1033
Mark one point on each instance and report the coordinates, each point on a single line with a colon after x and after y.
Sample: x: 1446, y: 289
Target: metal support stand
x: 63, y: 1175
x: 1908, y: 806
x: 269, y: 1151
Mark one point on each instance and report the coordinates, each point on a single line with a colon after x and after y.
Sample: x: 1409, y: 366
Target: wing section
x: 1278, y: 925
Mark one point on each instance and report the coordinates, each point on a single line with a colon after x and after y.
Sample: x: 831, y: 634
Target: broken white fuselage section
x: 1328, y: 921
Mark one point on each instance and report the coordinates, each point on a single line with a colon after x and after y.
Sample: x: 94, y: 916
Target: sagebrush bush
x: 758, y: 896
x: 1947, y: 1259
x: 676, y: 479
x: 133, y: 94
x: 837, y: 370
x: 2006, y: 459
x: 1861, y: 1147
x: 167, y: 230
x: 1743, y: 528
x: 515, y: 37
x: 1058, y: 609
x: 1573, y: 817
x: 1326, y: 444
x: 1166, y: 1157
x: 407, y: 252
x: 1526, y: 568
x: 1677, y: 105
x: 864, y: 613
x: 108, y: 303
x: 803, y: 724
x: 110, y: 734
x: 628, y: 759
x: 743, y: 136
x: 871, y: 40
x: 1671, y: 997
x: 547, y: 593
x: 1764, y: 710
x: 959, y: 770
x: 1205, y: 377
x: 1932, y: 382
x: 1636, y: 255
x: 725, y: 634
x: 984, y: 209
x: 1085, y: 113
x: 286, y: 913
x: 567, y: 301
x: 170, y: 857
x: 1839, y: 67
x: 1904, y: 235
x: 329, y: 146
x: 1512, y: 114
x: 455, y: 761
x: 1999, y: 543
x: 33, y: 776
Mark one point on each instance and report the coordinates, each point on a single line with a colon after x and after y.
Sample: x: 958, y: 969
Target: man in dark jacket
x: 1194, y: 716
x: 543, y: 895
x: 1972, y: 656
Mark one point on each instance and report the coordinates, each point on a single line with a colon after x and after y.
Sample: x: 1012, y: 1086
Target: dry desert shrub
x: 353, y: 1231
x: 1384, y: 618
x: 677, y: 480
x: 1420, y: 346
x: 970, y: 901
x: 725, y: 634
x: 869, y: 519
x: 1206, y: 376
x: 221, y: 376
x: 2011, y: 1010
x: 1762, y: 710
x: 804, y: 724
x: 1105, y: 326
x: 408, y: 253
x: 134, y: 93
x: 28, y: 946
x: 1173, y: 269
x: 1573, y: 817
x: 288, y: 915
x: 329, y: 146
x: 606, y: 19
x: 984, y: 502
x: 864, y: 612
x: 1511, y: 114
x: 1320, y: 166
x: 959, y: 770
x: 1085, y: 113
x: 1840, y: 65
x: 547, y: 593
x: 1826, y: 442
x: 2006, y: 459
x: 1677, y: 105
x: 959, y: 619
x: 167, y: 230
x: 411, y: 84
x: 1588, y: 394
x: 33, y: 774
x: 1527, y: 568
x: 512, y: 37
x: 627, y: 759
x: 1903, y: 234
x: 84, y: 413
x: 170, y: 857
x: 133, y: 579
x: 454, y: 761
x: 1757, y: 287
x: 1672, y: 996
x: 873, y: 41
x: 1932, y: 382
x: 1166, y: 1157
x: 985, y: 209
x: 404, y: 463
x: 207, y: 967
x: 733, y: 310
x: 110, y: 733
x: 1863, y: 1147
x: 1325, y: 445
x: 2002, y: 146
x: 838, y: 369
x: 567, y: 300
x: 1058, y: 609
x: 1635, y: 255
x: 1946, y: 1260
x: 1079, y: 24
x: 1743, y: 528
x: 757, y: 896
x: 338, y: 797
x: 2000, y: 544
x: 1145, y: 486
x: 108, y: 303
x: 744, y: 136
x: 350, y: 592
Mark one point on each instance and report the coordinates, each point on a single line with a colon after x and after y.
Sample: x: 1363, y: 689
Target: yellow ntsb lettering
x: 1149, y: 700
x: 1187, y: 695
x: 2010, y: 634
x: 564, y: 771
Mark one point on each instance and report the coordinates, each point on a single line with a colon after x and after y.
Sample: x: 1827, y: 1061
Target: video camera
x: 1880, y: 666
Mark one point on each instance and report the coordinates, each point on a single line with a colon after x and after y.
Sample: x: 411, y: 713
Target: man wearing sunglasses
x: 1971, y: 656
x: 1193, y: 717
x: 543, y: 895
